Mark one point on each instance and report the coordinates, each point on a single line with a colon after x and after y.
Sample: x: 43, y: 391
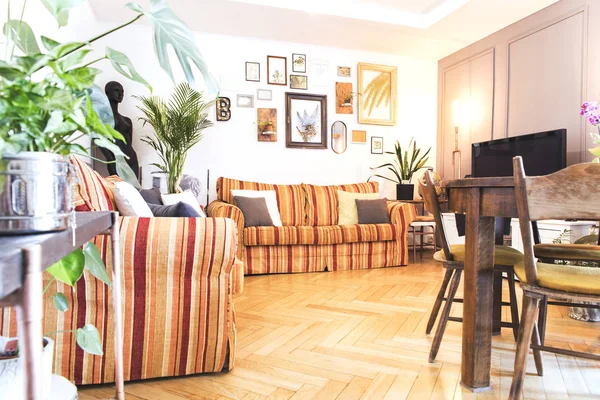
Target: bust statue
x: 114, y: 91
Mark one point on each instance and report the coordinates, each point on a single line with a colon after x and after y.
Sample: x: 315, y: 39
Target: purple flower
x: 589, y: 108
x: 594, y: 119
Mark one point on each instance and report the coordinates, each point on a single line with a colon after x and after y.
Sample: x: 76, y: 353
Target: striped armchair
x: 177, y: 296
x: 310, y: 239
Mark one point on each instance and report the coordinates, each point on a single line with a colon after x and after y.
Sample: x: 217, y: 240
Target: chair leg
x: 530, y: 306
x: 439, y: 333
x: 421, y: 241
x: 542, y: 319
x: 514, y: 307
x: 537, y: 354
x: 438, y: 301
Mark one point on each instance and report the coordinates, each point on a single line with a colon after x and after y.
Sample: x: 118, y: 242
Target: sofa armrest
x: 401, y: 213
x: 221, y: 209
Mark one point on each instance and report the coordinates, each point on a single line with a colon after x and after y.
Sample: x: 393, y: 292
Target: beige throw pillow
x: 347, y: 211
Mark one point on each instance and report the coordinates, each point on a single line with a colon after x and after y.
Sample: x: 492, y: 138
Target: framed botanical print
x: 299, y: 62
x: 299, y: 82
x: 306, y: 121
x: 252, y: 72
x: 277, y: 70
x: 377, y: 85
x: 376, y: 145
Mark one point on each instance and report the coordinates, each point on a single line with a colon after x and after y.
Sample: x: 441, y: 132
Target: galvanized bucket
x: 35, y: 193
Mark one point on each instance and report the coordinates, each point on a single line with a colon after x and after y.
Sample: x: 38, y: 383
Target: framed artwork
x: 299, y: 63
x: 277, y: 70
x: 339, y: 137
x: 344, y: 98
x: 298, y: 82
x: 264, y: 94
x: 245, y: 100
x: 377, y: 85
x: 376, y: 145
x: 266, y: 121
x: 359, y: 137
x: 252, y: 72
x: 223, y: 108
x: 345, y: 72
x: 306, y: 121
x: 319, y: 70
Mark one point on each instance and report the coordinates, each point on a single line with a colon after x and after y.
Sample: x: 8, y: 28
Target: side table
x: 24, y: 258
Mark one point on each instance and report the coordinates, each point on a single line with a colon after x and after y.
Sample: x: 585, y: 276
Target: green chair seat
x: 575, y: 252
x: 503, y: 255
x: 566, y: 278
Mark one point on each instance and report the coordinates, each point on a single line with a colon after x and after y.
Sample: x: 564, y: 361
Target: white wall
x: 231, y: 148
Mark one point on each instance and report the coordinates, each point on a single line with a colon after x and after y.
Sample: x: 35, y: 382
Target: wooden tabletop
x: 54, y: 246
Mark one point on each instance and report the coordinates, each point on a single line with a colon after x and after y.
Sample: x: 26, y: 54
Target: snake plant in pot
x: 403, y: 167
x: 47, y: 105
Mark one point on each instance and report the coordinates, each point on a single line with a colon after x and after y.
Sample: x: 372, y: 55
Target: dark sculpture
x: 114, y: 91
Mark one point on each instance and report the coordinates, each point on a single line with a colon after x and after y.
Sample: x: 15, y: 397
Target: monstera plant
x: 46, y: 91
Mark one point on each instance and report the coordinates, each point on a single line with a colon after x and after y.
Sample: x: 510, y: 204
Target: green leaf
x: 73, y: 59
x: 170, y: 30
x: 65, y: 48
x: 88, y: 339
x: 94, y: 263
x: 69, y: 269
x: 126, y: 173
x: 60, y: 9
x: 123, y: 65
x: 61, y: 302
x: 10, y: 72
x: 80, y: 78
x: 49, y: 44
x: 22, y: 34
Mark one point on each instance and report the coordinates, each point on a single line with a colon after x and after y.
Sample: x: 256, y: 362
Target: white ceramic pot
x: 12, y: 383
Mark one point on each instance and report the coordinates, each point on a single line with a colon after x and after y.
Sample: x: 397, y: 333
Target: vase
x: 12, y: 375
x: 405, y: 191
x: 35, y: 193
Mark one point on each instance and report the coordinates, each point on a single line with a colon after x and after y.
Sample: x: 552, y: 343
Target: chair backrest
x: 432, y: 205
x: 571, y: 193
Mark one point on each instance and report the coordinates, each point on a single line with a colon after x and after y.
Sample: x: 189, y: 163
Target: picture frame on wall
x: 376, y: 145
x: 264, y: 94
x: 377, y: 85
x: 252, y: 71
x: 245, y: 101
x: 344, y: 72
x: 299, y: 63
x: 306, y: 121
x: 359, y: 137
x: 277, y: 70
x: 299, y: 82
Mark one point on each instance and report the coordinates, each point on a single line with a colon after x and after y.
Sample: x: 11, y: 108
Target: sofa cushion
x: 317, y: 235
x: 322, y: 201
x: 255, y: 211
x: 130, y: 202
x: 92, y: 193
x: 151, y: 196
x: 372, y: 211
x: 177, y: 210
x: 347, y: 211
x: 290, y: 198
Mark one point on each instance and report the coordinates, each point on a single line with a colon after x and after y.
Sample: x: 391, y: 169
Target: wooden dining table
x: 481, y: 199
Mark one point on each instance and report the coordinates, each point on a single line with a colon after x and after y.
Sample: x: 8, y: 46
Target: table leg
x: 30, y: 323
x: 478, y: 296
x: 118, y: 317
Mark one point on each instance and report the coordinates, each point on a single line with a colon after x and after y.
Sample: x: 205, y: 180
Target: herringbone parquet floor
x: 361, y: 335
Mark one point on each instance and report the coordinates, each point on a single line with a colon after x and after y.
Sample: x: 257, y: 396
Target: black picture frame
x: 257, y: 64
x: 299, y: 69
x: 291, y: 120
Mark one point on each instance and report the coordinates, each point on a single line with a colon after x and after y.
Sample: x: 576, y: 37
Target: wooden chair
x: 452, y: 258
x: 417, y: 228
x: 571, y: 193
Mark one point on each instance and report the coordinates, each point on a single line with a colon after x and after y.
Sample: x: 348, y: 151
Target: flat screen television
x: 543, y: 153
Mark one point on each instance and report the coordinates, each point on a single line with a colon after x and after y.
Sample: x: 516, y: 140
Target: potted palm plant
x: 179, y: 125
x: 403, y: 168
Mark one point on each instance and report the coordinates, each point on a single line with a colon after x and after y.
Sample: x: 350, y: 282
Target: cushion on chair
x: 582, y: 252
x: 567, y: 278
x: 503, y: 255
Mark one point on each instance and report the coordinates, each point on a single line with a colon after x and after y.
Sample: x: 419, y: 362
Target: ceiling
x: 417, y: 28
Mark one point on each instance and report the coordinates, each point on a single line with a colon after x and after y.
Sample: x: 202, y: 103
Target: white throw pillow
x: 130, y: 202
x: 270, y: 198
x: 186, y: 197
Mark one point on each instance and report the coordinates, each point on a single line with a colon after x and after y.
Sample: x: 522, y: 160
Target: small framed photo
x: 359, y: 137
x: 299, y: 63
x: 345, y: 72
x: 298, y: 82
x: 277, y: 70
x: 253, y: 72
x: 264, y: 94
x: 376, y: 145
x: 245, y: 100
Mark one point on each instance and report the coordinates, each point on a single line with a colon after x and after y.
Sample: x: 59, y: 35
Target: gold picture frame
x: 377, y: 94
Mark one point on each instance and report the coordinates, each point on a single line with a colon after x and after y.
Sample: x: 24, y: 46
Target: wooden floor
x: 361, y: 335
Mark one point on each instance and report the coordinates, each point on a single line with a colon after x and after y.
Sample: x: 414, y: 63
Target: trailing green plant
x: 405, y: 164
x: 179, y: 125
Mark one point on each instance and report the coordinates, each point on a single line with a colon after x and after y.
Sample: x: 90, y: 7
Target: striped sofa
x: 310, y: 239
x: 177, y: 296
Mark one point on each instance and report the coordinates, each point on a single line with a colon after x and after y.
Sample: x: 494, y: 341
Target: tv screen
x: 543, y: 153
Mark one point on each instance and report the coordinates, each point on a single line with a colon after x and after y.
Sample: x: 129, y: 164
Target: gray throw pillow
x: 180, y: 209
x: 255, y: 211
x: 372, y: 211
x: 151, y: 196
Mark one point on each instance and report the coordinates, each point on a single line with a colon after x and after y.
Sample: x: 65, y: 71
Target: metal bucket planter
x: 35, y: 193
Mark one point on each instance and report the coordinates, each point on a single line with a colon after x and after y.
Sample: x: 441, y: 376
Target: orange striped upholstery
x: 282, y: 235
x: 362, y: 233
x: 290, y: 198
x: 225, y: 210
x: 322, y: 201
x: 92, y: 192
